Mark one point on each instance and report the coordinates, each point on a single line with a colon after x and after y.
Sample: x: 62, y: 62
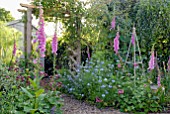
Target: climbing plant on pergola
x: 70, y: 13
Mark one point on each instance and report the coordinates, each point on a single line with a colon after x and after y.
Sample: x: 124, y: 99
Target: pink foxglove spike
x: 54, y: 43
x: 88, y: 53
x: 133, y: 36
x: 113, y: 23
x: 169, y: 64
x: 116, y: 43
x: 41, y: 34
x: 159, y: 81
x: 152, y: 61
x: 14, y: 48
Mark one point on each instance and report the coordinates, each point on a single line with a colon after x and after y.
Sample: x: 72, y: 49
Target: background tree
x: 153, y: 26
x: 7, y: 37
x: 5, y: 15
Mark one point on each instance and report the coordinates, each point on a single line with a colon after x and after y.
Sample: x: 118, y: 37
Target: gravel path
x: 73, y: 106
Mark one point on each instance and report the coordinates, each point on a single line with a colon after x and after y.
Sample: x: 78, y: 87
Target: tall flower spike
x: 54, y: 43
x: 41, y: 34
x: 88, y: 52
x: 113, y: 23
x: 152, y: 61
x: 159, y: 81
x: 14, y: 48
x: 133, y: 36
x: 116, y: 43
x: 168, y: 64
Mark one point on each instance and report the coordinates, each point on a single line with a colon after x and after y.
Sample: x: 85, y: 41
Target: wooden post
x: 27, y: 28
x: 29, y: 31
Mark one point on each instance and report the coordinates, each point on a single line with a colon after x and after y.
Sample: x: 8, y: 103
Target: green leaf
x: 39, y: 92
x: 27, y: 92
x: 33, y: 83
x: 27, y: 109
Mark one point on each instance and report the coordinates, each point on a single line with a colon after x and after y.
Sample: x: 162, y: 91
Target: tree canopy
x: 5, y: 15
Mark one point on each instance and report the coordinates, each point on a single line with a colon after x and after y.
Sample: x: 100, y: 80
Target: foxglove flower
x: 113, y: 23
x: 169, y: 64
x: 133, y: 38
x: 159, y: 81
x: 88, y: 53
x: 116, y: 43
x: 152, y: 62
x: 54, y: 43
x: 41, y: 35
x: 14, y: 49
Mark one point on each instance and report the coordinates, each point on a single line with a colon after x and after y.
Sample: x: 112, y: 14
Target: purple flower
x: 152, y: 62
x: 41, y: 35
x: 159, y: 81
x: 54, y: 43
x: 14, y: 49
x: 116, y: 43
x: 113, y: 23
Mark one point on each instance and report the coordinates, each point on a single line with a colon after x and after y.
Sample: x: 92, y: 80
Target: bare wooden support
x: 29, y: 31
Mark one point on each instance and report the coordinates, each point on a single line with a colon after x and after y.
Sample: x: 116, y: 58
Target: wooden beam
x: 22, y: 10
x: 28, y: 5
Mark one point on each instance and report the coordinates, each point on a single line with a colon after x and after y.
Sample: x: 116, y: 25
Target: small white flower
x: 82, y: 95
x: 163, y: 88
x: 88, y: 84
x: 103, y: 95
x: 105, y: 79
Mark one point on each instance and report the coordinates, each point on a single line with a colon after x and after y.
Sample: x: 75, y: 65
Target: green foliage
x: 9, y: 89
x: 34, y: 99
x: 153, y: 21
x: 5, y: 15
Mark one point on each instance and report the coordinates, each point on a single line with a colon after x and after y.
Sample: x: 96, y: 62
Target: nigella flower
x: 54, y: 43
x: 14, y: 49
x: 116, y: 43
x: 41, y: 35
x: 103, y: 95
x: 152, y: 61
x: 113, y: 23
x: 159, y: 81
x: 133, y: 37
